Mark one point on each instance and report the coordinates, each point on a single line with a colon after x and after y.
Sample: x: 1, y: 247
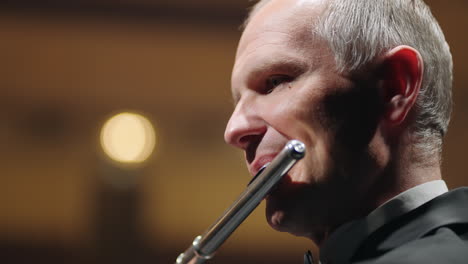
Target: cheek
x: 292, y: 114
x: 299, y: 114
x: 353, y: 114
x: 316, y: 164
x: 296, y: 120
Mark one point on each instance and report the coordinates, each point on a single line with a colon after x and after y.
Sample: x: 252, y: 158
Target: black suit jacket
x: 436, y: 232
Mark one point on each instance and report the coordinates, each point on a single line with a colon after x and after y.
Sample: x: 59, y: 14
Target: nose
x: 244, y: 127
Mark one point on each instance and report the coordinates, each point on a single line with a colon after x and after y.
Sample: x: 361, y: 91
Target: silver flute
x: 204, y: 247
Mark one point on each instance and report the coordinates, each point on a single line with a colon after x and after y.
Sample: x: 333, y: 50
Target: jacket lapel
x: 445, y: 210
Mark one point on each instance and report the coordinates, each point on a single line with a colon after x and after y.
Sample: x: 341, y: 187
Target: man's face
x: 286, y: 86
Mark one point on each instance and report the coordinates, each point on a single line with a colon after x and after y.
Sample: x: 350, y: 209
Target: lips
x: 259, y: 162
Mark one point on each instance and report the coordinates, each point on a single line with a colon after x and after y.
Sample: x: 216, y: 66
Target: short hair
x: 359, y: 31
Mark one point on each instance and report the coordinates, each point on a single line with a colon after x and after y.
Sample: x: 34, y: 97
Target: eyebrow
x: 272, y: 66
x: 275, y: 66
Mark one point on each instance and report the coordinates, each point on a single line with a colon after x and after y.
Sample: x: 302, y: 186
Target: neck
x: 392, y: 169
x: 405, y: 169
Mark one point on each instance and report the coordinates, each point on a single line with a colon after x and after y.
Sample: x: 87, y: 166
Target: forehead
x: 292, y: 17
x: 280, y: 32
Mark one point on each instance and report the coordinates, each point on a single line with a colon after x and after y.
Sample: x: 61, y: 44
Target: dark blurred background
x: 68, y: 66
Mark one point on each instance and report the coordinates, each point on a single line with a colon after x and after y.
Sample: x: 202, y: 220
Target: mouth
x: 251, y: 150
x: 259, y: 162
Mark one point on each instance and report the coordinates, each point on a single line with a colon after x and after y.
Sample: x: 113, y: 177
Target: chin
x: 275, y: 220
x: 282, y: 220
x: 279, y: 222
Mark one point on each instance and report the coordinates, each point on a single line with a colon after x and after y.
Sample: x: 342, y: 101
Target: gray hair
x: 359, y: 31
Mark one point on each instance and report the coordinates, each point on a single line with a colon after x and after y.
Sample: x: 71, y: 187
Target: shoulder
x: 436, y: 232
x: 444, y: 245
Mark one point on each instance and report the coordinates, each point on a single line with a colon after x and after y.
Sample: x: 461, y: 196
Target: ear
x: 403, y: 70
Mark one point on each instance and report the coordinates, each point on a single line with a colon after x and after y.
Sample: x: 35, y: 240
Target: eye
x: 274, y: 81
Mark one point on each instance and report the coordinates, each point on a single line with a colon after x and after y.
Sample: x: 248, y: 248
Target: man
x: 366, y: 85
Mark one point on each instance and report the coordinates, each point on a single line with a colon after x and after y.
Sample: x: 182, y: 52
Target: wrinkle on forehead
x: 299, y: 3
x: 254, y: 44
x: 294, y: 17
x: 304, y: 2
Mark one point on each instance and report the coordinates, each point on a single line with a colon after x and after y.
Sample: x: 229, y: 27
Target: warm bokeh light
x: 128, y: 138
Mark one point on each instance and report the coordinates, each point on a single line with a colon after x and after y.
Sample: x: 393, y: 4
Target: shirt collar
x: 343, y: 242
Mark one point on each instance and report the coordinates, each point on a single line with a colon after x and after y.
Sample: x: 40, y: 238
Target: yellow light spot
x: 128, y: 138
